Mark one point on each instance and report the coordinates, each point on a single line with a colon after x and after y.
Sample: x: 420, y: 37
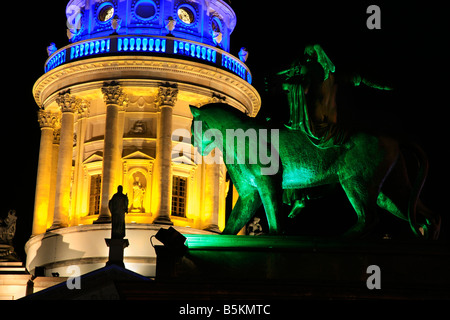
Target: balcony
x: 151, y: 46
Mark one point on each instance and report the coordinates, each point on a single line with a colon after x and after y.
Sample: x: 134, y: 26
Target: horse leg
x: 363, y: 199
x: 243, y: 212
x: 395, y: 196
x: 432, y: 225
x: 430, y: 228
x: 396, y: 190
x: 387, y: 203
x: 270, y: 196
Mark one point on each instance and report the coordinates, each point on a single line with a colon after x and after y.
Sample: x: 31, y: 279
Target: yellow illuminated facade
x: 113, y: 107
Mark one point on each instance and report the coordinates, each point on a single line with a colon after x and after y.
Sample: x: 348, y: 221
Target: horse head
x: 209, y: 125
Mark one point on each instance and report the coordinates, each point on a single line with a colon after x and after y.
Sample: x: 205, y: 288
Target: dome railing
x: 148, y: 45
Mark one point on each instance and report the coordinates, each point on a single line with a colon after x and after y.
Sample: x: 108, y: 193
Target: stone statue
x: 217, y: 37
x: 243, y: 54
x: 138, y: 196
x: 8, y: 228
x: 116, y: 24
x: 118, y: 205
x: 170, y: 25
x: 371, y: 170
x: 51, y: 49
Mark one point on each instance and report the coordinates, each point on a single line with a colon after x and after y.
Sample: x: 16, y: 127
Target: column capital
x: 113, y: 93
x: 167, y: 95
x: 57, y: 135
x: 67, y: 102
x: 46, y: 119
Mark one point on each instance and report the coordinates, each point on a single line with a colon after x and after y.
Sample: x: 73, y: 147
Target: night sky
x: 410, y: 53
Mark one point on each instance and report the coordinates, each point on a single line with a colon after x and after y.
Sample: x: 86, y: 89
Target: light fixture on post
x: 171, y: 238
x: 170, y: 253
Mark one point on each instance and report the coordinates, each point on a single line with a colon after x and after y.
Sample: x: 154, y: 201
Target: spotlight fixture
x: 171, y: 238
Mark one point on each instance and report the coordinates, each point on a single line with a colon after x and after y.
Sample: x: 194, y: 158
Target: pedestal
x: 7, y: 253
x: 116, y: 247
x: 294, y: 267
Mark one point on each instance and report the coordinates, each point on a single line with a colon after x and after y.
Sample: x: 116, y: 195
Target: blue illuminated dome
x: 197, y: 30
x: 207, y: 21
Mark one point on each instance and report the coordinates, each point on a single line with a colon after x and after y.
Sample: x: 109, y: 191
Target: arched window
x: 95, y: 194
x: 179, y: 196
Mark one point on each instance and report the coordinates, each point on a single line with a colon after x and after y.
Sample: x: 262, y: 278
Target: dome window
x: 186, y: 14
x: 145, y: 9
x: 105, y: 12
x: 216, y: 25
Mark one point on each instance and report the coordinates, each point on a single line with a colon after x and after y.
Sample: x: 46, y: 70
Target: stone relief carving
x: 138, y: 128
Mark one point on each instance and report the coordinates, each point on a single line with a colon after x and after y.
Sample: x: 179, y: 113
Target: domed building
x: 114, y: 110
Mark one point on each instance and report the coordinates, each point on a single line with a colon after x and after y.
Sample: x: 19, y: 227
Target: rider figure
x: 312, y: 89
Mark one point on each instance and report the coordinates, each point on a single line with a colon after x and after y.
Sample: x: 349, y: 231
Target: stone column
x: 166, y: 100
x: 68, y: 104
x: 54, y: 172
x: 114, y: 100
x: 212, y: 190
x: 121, y: 125
x: 77, y: 186
x: 41, y: 201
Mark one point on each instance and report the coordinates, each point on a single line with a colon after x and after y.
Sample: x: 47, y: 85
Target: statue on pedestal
x: 7, y: 232
x: 118, y: 205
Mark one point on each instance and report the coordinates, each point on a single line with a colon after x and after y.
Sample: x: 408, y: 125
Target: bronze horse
x: 371, y: 170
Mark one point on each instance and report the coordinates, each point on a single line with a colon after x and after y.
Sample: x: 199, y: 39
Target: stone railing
x: 152, y: 46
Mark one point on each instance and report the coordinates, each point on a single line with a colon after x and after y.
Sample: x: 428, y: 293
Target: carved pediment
x: 138, y: 155
x: 97, y: 156
x: 183, y: 160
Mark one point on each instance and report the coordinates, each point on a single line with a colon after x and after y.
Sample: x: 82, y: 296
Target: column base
x: 102, y: 220
x: 213, y: 228
x: 116, y: 248
x: 57, y: 226
x: 163, y: 220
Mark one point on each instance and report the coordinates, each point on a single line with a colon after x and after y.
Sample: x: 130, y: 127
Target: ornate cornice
x: 183, y: 72
x: 167, y: 95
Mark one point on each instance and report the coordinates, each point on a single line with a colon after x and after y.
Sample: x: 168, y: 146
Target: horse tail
x: 417, y: 185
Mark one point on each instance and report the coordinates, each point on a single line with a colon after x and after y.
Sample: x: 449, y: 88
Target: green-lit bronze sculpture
x: 314, y: 151
x: 370, y: 169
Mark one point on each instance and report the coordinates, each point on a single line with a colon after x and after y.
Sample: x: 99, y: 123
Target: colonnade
x: 54, y: 188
